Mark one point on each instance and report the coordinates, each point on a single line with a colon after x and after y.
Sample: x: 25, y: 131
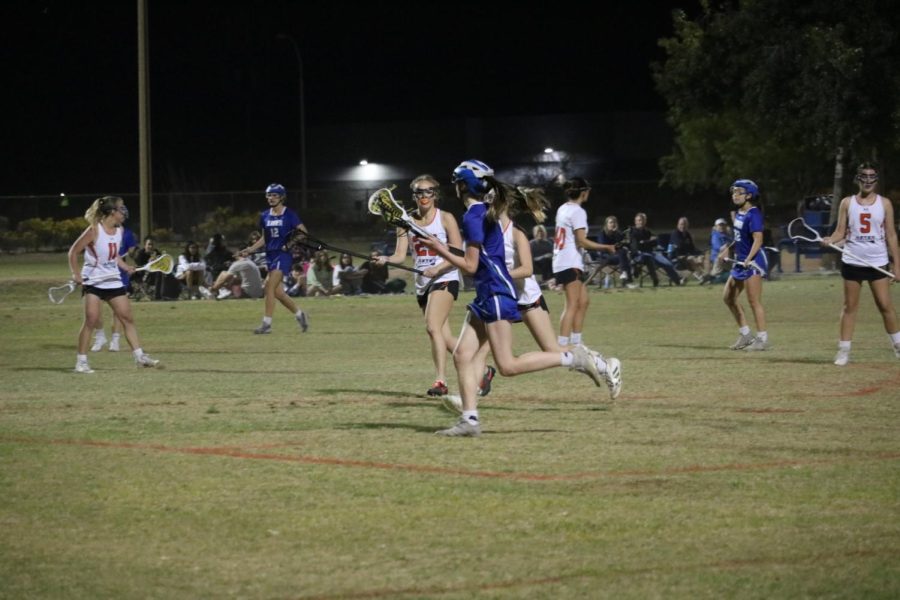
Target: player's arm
x: 400, y: 249
x: 523, y: 255
x: 467, y: 263
x: 254, y: 246
x: 890, y: 235
x: 87, y: 236
x: 757, y: 244
x: 582, y: 241
x: 454, y: 241
x: 840, y: 230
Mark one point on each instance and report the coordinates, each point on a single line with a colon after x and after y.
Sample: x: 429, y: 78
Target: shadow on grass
x: 407, y: 426
x: 370, y: 392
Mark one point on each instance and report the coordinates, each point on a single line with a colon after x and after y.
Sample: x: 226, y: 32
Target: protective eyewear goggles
x: 426, y: 192
x: 867, y: 178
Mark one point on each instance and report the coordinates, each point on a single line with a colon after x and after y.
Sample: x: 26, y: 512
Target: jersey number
x: 865, y: 222
x: 113, y: 251
x: 560, y: 239
x: 273, y: 232
x: 421, y: 249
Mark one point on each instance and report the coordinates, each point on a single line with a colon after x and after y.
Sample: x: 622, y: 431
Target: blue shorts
x: 278, y: 261
x: 739, y: 273
x: 488, y: 309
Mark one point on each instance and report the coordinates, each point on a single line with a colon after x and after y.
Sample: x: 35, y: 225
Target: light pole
x: 293, y: 42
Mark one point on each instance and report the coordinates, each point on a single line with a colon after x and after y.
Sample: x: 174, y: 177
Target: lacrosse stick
x: 315, y: 244
x: 799, y: 230
x: 161, y: 264
x: 753, y: 266
x: 383, y: 204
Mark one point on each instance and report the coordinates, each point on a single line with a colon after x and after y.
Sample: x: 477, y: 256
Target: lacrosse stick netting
x: 799, y: 230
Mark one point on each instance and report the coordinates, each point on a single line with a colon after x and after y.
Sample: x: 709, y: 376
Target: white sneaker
x: 613, y: 377
x: 204, y: 291
x: 146, y: 361
x: 98, y: 344
x: 462, y: 428
x: 757, y: 346
x: 743, y: 341
x: 623, y: 276
x: 302, y: 321
x: 453, y: 403
x: 223, y: 293
x: 897, y: 350
x: 842, y: 357
x: 114, y: 346
x: 83, y: 367
x: 584, y: 363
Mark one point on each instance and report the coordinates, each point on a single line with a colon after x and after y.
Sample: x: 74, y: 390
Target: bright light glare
x: 363, y: 162
x: 548, y: 150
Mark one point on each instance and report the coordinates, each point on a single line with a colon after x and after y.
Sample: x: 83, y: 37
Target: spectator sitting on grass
x: 321, y: 277
x: 242, y: 272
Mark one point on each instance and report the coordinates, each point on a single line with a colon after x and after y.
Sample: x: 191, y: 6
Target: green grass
x: 305, y: 466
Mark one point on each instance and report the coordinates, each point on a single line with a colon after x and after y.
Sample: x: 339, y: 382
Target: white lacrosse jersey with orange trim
x: 570, y: 217
x: 425, y: 258
x: 528, y: 289
x: 865, y: 233
x: 100, y: 260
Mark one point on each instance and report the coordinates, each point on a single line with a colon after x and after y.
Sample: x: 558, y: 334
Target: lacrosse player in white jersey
x: 866, y: 225
x: 100, y: 277
x: 568, y: 265
x: 438, y: 286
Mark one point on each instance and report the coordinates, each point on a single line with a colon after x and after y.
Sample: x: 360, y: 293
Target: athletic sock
x: 744, y: 330
x: 267, y: 320
x: 138, y: 353
x: 471, y: 416
x: 116, y: 336
x: 562, y: 340
x: 299, y: 313
x: 82, y: 358
x: 895, y: 337
x: 842, y: 345
x: 567, y: 358
x: 576, y: 338
x: 763, y: 336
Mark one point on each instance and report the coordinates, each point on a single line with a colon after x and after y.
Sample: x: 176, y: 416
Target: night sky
x: 224, y: 90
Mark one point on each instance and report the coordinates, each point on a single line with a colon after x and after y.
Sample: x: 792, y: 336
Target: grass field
x: 305, y: 466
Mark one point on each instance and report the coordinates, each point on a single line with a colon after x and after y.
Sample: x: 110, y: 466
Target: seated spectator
x: 541, y: 253
x: 683, y: 252
x: 148, y: 282
x: 258, y: 257
x: 376, y: 281
x: 242, y: 276
x: 720, y: 238
x: 217, y: 257
x: 321, y: 277
x: 349, y: 276
x: 612, y: 236
x: 643, y: 251
x: 191, y: 270
x: 295, y: 285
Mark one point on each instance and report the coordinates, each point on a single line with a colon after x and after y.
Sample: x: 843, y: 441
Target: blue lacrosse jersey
x: 128, y: 242
x: 491, y: 276
x: 278, y: 228
x: 745, y: 225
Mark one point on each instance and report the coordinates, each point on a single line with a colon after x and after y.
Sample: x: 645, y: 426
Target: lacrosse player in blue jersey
x: 495, y: 306
x: 279, y: 224
x: 750, y: 268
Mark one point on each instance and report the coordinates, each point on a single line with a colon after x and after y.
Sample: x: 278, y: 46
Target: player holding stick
x: 748, y: 243
x: 99, y: 244
x: 865, y: 221
x: 278, y: 224
x: 494, y: 309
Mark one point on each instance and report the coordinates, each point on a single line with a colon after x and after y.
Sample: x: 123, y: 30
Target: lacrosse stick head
x: 60, y: 293
x: 164, y: 264
x: 471, y: 173
x: 799, y: 230
x: 383, y: 204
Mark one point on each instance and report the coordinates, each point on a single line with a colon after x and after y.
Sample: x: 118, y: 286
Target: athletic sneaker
x: 83, y: 367
x: 206, y: 293
x: 264, y: 328
x: 743, y: 341
x: 584, y: 363
x: 463, y: 428
x: 303, y: 321
x: 842, y: 357
x: 439, y: 388
x: 223, y: 293
x: 757, y: 346
x: 484, y: 388
x: 613, y: 377
x: 98, y: 344
x: 146, y: 361
x: 453, y: 403
x: 114, y: 345
x: 897, y: 350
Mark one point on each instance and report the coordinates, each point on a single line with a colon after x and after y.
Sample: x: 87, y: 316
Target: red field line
x: 232, y: 452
